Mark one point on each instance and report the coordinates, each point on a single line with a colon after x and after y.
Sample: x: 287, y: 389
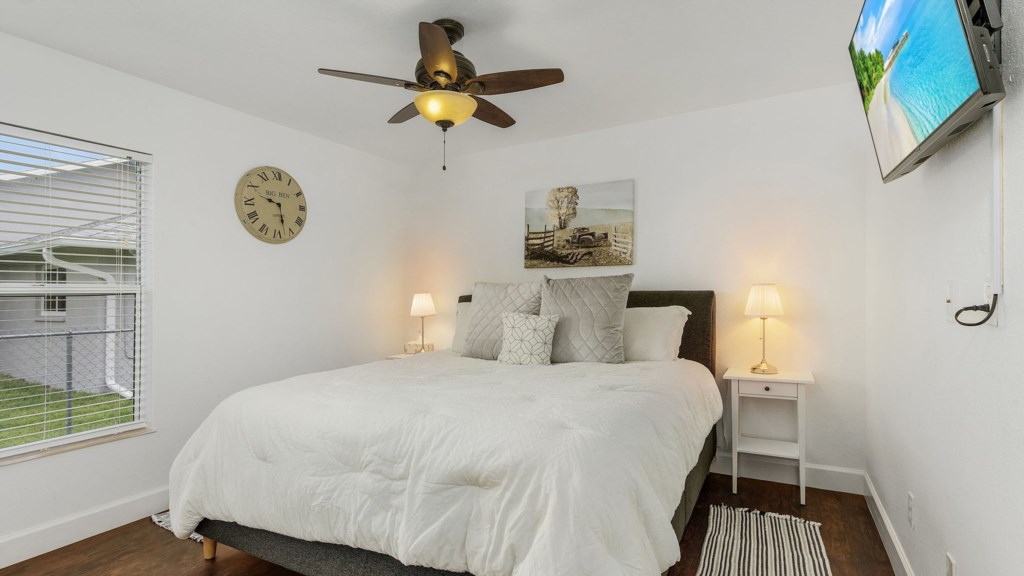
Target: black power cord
x: 990, y: 309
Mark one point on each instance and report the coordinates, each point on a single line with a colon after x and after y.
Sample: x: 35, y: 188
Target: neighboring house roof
x: 112, y: 234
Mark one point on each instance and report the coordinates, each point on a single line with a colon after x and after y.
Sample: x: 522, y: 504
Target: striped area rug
x: 163, y: 520
x: 743, y: 542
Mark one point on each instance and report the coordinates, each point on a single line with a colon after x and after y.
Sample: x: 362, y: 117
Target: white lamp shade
x: 445, y: 105
x: 763, y: 301
x: 422, y: 305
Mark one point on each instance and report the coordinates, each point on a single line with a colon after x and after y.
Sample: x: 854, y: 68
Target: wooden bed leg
x: 209, y: 548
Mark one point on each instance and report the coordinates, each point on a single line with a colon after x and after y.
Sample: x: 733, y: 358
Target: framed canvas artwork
x: 580, y: 225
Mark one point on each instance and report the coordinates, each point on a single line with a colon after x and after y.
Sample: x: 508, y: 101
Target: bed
x: 301, y: 546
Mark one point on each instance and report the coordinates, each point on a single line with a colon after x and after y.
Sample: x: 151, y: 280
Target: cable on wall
x: 997, y: 225
x: 989, y: 308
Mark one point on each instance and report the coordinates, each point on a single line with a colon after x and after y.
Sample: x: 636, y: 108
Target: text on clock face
x: 278, y: 194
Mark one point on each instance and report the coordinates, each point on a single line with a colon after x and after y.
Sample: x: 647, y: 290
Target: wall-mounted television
x: 927, y: 70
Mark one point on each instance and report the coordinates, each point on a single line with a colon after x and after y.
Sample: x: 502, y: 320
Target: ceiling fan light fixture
x: 445, y: 107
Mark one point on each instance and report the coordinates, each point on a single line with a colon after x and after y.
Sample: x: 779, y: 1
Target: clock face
x: 270, y: 204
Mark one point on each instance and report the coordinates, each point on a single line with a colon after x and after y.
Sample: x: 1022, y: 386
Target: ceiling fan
x: 449, y: 89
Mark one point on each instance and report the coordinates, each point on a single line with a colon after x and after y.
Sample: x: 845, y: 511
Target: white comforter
x: 460, y: 464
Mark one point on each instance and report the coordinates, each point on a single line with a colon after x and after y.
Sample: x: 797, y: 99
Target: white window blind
x: 71, y: 253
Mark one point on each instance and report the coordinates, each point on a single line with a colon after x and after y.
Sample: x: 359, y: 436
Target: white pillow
x: 461, y: 326
x: 653, y: 333
x: 526, y: 338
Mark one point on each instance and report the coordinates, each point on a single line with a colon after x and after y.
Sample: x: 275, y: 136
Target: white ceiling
x: 624, y: 61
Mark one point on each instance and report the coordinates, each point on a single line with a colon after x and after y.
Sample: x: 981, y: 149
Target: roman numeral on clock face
x: 249, y: 201
x: 253, y: 216
x: 299, y: 221
x: 277, y: 234
x: 264, y: 229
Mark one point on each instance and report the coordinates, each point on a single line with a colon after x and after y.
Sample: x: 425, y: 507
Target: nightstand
x: 788, y: 386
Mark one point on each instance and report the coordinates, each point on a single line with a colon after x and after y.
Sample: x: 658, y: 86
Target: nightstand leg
x: 734, y: 441
x: 801, y: 425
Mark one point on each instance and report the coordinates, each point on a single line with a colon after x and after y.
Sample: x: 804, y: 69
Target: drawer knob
x: 767, y: 388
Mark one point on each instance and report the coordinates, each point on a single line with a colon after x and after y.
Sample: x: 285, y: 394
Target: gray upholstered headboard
x: 698, y: 343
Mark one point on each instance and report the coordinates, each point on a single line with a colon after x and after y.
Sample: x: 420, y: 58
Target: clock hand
x: 280, y: 211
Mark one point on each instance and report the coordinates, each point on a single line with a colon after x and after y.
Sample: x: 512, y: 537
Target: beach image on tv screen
x: 913, y: 68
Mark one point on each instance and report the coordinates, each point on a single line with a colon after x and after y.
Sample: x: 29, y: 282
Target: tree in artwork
x: 562, y: 203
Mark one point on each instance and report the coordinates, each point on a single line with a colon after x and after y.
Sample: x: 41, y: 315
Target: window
x: 53, y: 306
x: 71, y: 255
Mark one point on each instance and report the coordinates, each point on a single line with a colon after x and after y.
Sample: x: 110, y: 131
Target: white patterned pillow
x: 483, y: 339
x: 526, y: 338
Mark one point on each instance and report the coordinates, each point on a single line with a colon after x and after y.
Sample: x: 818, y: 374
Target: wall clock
x: 270, y: 204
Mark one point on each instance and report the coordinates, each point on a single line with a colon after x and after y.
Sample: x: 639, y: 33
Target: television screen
x: 916, y: 63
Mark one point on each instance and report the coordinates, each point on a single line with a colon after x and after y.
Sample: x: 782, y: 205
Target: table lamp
x: 763, y: 303
x: 422, y: 306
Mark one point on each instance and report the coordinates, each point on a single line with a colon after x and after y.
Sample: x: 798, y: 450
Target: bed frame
x: 322, y: 559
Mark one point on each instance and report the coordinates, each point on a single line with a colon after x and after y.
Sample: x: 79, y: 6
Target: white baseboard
x: 48, y: 536
x: 785, y: 471
x: 897, y: 557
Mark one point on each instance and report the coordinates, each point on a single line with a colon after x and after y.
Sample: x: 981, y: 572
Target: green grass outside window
x: 30, y: 411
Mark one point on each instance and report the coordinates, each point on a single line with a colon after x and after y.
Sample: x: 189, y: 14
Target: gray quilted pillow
x: 591, y: 312
x: 483, y: 339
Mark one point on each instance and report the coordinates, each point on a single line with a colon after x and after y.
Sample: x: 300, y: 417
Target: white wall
x: 768, y: 191
x: 944, y: 402
x: 783, y: 190
x: 227, y: 311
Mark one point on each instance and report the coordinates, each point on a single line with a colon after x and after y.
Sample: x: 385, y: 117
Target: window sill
x: 16, y: 458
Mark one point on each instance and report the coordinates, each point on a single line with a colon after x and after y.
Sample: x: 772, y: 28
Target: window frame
x: 53, y: 275
x: 138, y: 212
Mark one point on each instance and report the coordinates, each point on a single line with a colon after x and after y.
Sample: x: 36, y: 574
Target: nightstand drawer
x: 780, y: 389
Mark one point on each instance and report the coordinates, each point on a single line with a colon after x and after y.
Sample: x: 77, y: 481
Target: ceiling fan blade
x: 491, y: 114
x: 375, y: 79
x: 514, y: 81
x: 404, y: 114
x: 437, y: 52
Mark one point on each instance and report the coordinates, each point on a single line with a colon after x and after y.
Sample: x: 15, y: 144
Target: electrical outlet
x: 950, y: 565
x: 910, y: 509
x: 987, y: 298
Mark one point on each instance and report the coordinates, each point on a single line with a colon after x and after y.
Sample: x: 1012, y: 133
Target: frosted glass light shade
x: 764, y: 301
x: 445, y: 105
x: 422, y: 305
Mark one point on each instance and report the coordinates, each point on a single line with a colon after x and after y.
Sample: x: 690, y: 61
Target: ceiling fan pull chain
x: 444, y: 149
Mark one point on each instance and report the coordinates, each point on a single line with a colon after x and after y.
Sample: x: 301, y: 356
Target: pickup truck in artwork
x: 586, y: 237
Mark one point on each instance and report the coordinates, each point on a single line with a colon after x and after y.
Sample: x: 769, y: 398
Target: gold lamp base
x: 763, y: 367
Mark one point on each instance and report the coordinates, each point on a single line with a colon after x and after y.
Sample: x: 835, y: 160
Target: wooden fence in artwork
x: 539, y: 241
x: 622, y: 244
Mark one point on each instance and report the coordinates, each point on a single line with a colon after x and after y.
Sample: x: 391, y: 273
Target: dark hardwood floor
x: 851, y: 540
x: 143, y: 548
